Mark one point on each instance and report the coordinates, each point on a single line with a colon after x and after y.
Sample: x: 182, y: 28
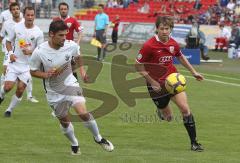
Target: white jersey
x: 6, y: 15
x: 45, y: 58
x: 225, y: 33
x: 8, y: 27
x: 24, y: 37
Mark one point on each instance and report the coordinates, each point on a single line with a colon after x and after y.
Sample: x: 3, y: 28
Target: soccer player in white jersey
x: 51, y: 61
x: 26, y: 38
x: 8, y: 27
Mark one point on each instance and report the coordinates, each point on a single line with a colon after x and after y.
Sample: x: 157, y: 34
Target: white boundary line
x: 218, y: 76
x: 210, y: 80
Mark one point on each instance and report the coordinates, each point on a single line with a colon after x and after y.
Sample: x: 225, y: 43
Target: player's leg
x: 103, y: 41
x: 90, y: 123
x: 180, y: 100
x: 217, y: 43
x: 99, y: 57
x: 61, y: 112
x: 29, y: 92
x: 161, y: 100
x: 16, y: 98
x: 5, y: 64
x: 10, y: 79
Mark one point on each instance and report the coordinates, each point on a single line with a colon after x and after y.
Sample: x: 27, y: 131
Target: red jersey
x: 116, y: 24
x: 157, y: 57
x: 73, y: 25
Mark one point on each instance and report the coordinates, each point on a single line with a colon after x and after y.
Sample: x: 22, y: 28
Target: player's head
x: 29, y: 15
x: 57, y: 32
x: 11, y: 1
x: 63, y: 9
x: 100, y: 8
x: 164, y: 26
x: 221, y: 25
x: 15, y: 9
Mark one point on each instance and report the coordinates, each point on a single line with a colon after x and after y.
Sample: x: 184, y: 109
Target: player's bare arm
x: 26, y: 51
x: 43, y: 75
x: 183, y: 60
x: 155, y: 85
x: 10, y: 51
x: 79, y: 62
x: 79, y: 37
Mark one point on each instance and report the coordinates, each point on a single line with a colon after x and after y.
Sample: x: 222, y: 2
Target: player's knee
x: 7, y: 87
x: 85, y: 117
x: 20, y: 90
x: 185, y: 111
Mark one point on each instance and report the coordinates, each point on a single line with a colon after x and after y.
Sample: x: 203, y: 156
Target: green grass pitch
x: 33, y: 135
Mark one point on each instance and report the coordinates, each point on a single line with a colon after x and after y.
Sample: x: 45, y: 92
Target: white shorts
x: 61, y: 104
x: 6, y: 59
x: 18, y: 71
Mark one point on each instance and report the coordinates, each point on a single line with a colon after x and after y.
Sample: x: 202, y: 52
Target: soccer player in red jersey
x: 155, y: 62
x: 72, y: 24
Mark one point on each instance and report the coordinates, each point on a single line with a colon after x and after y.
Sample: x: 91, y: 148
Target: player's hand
x: 26, y: 51
x: 51, y: 73
x: 156, y: 86
x: 198, y: 76
x: 13, y: 58
x: 86, y: 78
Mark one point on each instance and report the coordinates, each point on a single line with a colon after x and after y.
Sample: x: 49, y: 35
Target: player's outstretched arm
x: 183, y: 60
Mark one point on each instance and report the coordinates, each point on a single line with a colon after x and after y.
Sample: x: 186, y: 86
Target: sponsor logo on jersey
x: 165, y: 59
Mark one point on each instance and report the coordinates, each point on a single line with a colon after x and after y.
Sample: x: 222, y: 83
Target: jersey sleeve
x: 3, y: 30
x: 1, y: 18
x: 76, y: 26
x: 76, y: 49
x: 40, y: 38
x: 107, y: 20
x: 11, y: 36
x: 35, y: 60
x: 144, y: 54
x: 178, y: 51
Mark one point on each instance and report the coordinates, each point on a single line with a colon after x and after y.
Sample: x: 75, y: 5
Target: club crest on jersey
x: 139, y: 56
x: 69, y: 25
x: 171, y: 49
x: 67, y: 57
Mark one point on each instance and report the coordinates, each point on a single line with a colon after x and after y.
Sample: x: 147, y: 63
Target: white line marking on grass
x: 217, y: 81
x: 210, y: 80
x: 218, y: 76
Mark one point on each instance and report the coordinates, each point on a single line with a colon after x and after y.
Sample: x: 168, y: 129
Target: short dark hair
x: 64, y: 4
x: 165, y: 20
x: 101, y: 5
x: 13, y: 5
x: 28, y: 8
x: 57, y: 25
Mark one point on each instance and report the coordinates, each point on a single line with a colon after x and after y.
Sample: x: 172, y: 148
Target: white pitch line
x: 217, y: 76
x: 217, y: 81
x: 211, y: 80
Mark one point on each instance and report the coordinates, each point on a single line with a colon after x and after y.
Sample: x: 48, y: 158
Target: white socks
x: 15, y: 100
x: 69, y: 133
x: 2, y: 79
x: 92, y: 126
x: 29, y: 89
